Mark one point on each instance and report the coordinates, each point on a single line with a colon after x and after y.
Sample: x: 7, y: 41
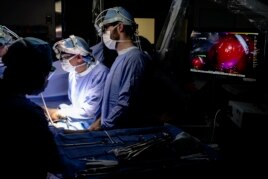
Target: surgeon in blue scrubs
x: 123, y: 101
x: 86, y: 83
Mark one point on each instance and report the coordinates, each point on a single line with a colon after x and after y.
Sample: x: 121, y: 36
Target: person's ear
x: 120, y: 27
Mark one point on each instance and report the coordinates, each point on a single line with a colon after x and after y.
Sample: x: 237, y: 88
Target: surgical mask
x: 68, y: 67
x: 109, y: 43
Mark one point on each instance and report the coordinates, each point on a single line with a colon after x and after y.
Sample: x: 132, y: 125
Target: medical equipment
x: 110, y: 138
x: 133, y: 151
x: 48, y: 115
x: 83, y: 143
x: 98, y: 167
x: 43, y: 100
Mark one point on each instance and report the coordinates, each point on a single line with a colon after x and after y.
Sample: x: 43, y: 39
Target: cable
x: 43, y: 100
x: 214, y: 125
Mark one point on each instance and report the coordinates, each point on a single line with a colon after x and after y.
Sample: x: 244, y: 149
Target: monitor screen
x: 225, y: 53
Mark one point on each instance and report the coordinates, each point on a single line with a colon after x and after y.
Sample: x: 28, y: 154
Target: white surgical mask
x: 67, y: 66
x: 109, y: 43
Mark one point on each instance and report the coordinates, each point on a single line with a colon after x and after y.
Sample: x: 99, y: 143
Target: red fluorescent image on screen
x: 224, y: 53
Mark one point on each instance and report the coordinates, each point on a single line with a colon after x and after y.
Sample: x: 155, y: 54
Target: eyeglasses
x: 66, y: 56
x: 73, y: 48
x: 106, y: 26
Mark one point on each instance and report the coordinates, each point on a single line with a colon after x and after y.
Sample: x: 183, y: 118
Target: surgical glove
x: 55, y: 114
x: 96, y: 125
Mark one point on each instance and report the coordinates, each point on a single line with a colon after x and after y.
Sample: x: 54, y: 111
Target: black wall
x: 77, y: 17
x: 157, y: 9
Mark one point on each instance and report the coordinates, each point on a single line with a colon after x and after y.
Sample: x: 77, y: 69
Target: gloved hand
x: 96, y: 125
x: 55, y: 114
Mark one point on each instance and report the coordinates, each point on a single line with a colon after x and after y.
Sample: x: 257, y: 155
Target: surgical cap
x: 4, y: 38
x: 7, y: 36
x: 29, y: 53
x: 115, y: 14
x: 73, y: 45
x: 118, y: 14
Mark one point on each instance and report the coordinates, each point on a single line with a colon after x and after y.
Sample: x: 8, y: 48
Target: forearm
x: 95, y: 125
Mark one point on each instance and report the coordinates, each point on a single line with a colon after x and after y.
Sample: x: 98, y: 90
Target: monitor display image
x: 225, y: 53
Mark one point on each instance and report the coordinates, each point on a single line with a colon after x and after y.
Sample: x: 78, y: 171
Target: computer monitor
x: 225, y: 53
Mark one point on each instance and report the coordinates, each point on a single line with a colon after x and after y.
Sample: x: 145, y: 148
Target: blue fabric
x: 78, y: 149
x: 122, y: 98
x: 97, y: 51
x: 97, y: 145
x: 103, y: 54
